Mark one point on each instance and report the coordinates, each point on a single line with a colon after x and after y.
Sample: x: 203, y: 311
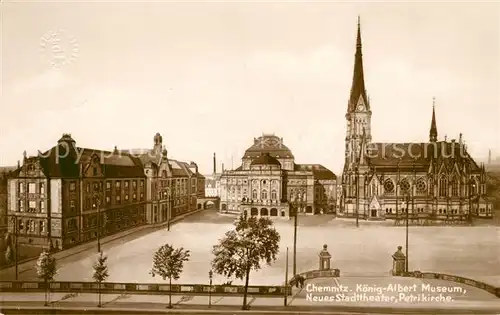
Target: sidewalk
x: 155, y: 302
x: 28, y: 264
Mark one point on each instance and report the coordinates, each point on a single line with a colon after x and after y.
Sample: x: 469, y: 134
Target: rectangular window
x: 32, y: 206
x: 142, y: 196
x: 134, y: 184
x: 42, y: 206
x: 108, y: 185
x: 87, y: 203
x: 96, y: 187
x: 20, y: 205
x: 118, y: 184
x: 42, y: 188
x: 126, y: 197
x: 94, y: 171
x: 87, y: 188
x: 20, y: 224
x: 43, y: 227
x: 72, y: 186
x: 125, y: 184
x: 31, y: 188
x: 21, y: 188
x: 134, y: 196
x: 108, y: 200
x: 118, y: 199
x: 72, y: 204
x: 142, y: 183
x: 31, y: 226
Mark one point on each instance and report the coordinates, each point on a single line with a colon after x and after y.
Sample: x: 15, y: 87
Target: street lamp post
x: 407, y: 219
x: 16, y: 247
x: 97, y: 201
x: 472, y: 187
x: 357, y: 194
x: 295, y: 204
x: 296, y: 214
x: 210, y: 276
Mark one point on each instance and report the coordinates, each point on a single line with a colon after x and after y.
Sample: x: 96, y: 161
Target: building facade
x: 430, y: 181
x: 70, y: 195
x: 5, y: 173
x: 269, y: 183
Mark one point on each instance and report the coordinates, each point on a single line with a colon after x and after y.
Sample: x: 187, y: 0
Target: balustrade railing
x: 141, y: 288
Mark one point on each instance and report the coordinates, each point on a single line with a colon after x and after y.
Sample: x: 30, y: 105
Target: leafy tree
x: 100, y: 273
x: 46, y: 270
x: 168, y: 263
x: 243, y: 249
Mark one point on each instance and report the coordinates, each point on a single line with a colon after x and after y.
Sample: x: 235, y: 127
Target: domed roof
x: 268, y: 143
x: 265, y: 159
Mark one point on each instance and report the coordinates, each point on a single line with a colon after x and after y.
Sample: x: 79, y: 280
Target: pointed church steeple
x: 358, y: 80
x: 433, y: 133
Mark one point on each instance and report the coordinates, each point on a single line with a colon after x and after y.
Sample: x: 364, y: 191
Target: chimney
x: 215, y: 165
x: 25, y: 157
x: 460, y: 138
x: 222, y: 167
x: 489, y: 157
x: 18, y: 164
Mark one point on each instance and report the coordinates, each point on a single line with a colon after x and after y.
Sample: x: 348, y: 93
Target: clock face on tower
x: 360, y: 107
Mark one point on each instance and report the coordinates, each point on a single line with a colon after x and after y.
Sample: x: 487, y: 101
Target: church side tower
x: 433, y: 133
x: 358, y: 114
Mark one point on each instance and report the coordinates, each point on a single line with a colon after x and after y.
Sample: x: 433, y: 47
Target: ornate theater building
x: 270, y: 183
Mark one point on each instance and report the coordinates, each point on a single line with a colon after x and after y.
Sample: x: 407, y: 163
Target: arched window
x: 274, y: 196
x: 454, y: 187
x: 389, y: 186
x: 431, y: 186
x: 443, y: 187
x: 421, y: 187
x: 405, y: 186
x: 254, y: 194
x: 263, y: 194
x: 374, y: 190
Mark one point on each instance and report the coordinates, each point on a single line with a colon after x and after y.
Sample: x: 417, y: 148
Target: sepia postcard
x: 257, y: 157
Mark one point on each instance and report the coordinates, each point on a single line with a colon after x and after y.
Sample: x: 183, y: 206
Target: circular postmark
x: 59, y: 48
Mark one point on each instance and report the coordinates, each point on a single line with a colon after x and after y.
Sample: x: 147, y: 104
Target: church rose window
x: 405, y: 186
x: 389, y: 186
x: 420, y: 186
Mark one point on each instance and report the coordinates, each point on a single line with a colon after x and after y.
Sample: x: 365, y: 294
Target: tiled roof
x: 115, y: 164
x: 265, y: 159
x: 319, y: 171
x: 144, y: 155
x: 386, y: 156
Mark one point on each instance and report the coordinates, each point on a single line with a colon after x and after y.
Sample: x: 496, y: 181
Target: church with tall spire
x: 431, y: 182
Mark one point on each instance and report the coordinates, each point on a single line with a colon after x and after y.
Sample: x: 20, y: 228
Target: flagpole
x: 286, y: 278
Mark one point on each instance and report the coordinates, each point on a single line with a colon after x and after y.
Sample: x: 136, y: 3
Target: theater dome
x: 268, y: 143
x: 265, y: 159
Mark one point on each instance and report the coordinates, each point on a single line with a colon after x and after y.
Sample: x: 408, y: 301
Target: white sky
x: 212, y: 76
